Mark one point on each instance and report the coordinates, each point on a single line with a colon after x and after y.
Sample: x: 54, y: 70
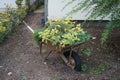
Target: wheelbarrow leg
x: 40, y: 47
x: 47, y: 55
x: 78, y: 49
x: 70, y: 53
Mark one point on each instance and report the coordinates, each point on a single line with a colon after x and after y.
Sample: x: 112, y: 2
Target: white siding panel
x: 11, y: 2
x: 55, y: 9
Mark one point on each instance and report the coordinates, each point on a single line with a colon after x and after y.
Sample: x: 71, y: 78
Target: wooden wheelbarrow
x: 70, y: 57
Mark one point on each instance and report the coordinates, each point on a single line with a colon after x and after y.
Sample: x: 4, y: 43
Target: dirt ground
x: 20, y: 58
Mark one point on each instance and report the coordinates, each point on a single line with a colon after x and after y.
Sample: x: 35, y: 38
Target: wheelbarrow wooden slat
x: 58, y: 48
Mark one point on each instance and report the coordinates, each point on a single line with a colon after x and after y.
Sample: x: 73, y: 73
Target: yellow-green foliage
x: 62, y: 33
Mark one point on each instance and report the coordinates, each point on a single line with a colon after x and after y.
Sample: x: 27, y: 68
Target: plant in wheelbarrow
x: 64, y: 36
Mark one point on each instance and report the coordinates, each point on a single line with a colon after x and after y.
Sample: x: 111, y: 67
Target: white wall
x: 9, y: 2
x: 3, y: 2
x: 55, y: 10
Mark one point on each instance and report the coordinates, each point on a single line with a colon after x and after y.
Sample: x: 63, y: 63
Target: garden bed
x: 20, y: 55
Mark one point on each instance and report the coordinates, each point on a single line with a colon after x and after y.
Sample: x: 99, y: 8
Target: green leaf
x: 84, y: 67
x: 87, y: 51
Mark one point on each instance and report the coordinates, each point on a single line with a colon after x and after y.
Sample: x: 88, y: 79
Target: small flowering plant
x: 62, y: 33
x: 10, y: 19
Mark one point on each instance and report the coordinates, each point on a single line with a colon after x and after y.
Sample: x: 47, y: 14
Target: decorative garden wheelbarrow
x: 66, y: 33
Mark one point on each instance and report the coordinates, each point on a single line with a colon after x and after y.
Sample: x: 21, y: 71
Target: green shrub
x: 10, y: 19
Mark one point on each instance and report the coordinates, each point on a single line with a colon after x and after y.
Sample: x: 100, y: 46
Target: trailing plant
x: 100, y: 8
x: 36, y: 35
x: 62, y: 33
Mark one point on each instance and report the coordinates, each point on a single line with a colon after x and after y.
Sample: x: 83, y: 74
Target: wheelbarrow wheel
x: 75, y: 61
